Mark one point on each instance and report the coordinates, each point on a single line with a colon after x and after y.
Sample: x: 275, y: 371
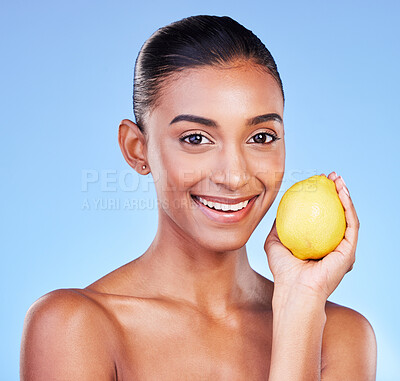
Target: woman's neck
x: 216, y: 283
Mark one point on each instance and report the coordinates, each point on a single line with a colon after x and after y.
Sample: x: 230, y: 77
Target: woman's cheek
x: 278, y: 170
x: 270, y: 165
x: 178, y: 172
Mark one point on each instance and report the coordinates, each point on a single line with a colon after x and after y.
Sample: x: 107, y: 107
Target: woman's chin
x: 221, y: 243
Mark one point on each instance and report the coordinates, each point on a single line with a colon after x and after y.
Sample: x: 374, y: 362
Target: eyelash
x: 271, y: 134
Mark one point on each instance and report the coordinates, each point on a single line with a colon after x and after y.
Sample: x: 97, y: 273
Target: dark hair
x: 191, y: 42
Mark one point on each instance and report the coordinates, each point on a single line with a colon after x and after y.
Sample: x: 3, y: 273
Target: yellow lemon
x: 310, y: 220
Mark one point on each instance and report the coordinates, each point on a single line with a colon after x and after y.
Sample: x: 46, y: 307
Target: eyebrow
x: 211, y: 123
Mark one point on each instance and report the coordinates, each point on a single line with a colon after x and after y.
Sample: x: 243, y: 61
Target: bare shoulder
x: 67, y: 335
x: 349, y: 345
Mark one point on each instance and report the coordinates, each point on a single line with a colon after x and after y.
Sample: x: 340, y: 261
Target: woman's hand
x: 317, y: 278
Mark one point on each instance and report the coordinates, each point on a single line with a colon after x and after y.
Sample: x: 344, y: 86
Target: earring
x: 143, y: 167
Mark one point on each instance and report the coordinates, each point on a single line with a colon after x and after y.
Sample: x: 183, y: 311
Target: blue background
x: 66, y: 82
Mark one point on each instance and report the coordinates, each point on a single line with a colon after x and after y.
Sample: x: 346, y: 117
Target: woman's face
x: 217, y: 134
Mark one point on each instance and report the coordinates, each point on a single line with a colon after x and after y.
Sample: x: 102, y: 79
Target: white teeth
x: 235, y: 208
x: 224, y: 207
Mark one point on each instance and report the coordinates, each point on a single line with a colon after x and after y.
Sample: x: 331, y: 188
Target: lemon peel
x: 310, y: 219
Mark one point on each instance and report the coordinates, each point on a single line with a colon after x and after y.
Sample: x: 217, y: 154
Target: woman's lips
x: 222, y: 216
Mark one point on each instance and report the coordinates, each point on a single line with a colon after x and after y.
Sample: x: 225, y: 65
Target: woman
x: 208, y: 102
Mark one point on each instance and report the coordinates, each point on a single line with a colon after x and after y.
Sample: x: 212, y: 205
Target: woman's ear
x: 133, y: 146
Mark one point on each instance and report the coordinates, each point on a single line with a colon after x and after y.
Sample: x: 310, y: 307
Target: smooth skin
x: 191, y: 307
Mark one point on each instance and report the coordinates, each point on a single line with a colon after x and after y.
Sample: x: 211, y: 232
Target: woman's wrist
x: 299, y: 302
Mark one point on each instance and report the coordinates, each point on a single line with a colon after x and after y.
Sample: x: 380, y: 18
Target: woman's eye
x: 195, y: 139
x: 263, y: 138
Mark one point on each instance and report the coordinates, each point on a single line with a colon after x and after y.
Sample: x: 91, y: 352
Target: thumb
x: 273, y: 245
x: 272, y: 238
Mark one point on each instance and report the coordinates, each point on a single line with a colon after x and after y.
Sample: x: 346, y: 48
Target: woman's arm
x: 298, y: 325
x: 66, y: 337
x: 301, y: 290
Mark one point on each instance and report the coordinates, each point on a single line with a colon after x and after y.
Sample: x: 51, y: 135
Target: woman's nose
x: 230, y: 169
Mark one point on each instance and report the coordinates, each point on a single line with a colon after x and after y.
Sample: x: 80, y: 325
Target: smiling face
x: 216, y: 137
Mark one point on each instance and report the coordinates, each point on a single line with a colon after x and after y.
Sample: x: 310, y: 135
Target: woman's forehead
x: 230, y: 86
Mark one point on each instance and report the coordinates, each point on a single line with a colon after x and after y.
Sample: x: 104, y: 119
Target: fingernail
x: 342, y: 180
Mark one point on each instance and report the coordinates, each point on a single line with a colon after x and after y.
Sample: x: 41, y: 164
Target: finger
x: 273, y: 238
x: 332, y: 176
x: 351, y: 232
x: 340, y: 184
x: 344, y: 195
x: 273, y: 235
x: 274, y: 247
x: 348, y: 244
x: 351, y: 268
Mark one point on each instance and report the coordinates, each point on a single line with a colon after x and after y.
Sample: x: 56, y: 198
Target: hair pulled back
x: 192, y: 42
